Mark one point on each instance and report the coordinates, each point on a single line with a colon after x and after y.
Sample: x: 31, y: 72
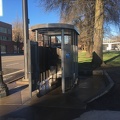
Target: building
x: 6, y: 37
x: 7, y: 45
x: 111, y: 45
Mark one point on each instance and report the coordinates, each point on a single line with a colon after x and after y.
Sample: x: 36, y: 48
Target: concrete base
x: 3, y: 90
x: 22, y: 82
x: 25, y: 80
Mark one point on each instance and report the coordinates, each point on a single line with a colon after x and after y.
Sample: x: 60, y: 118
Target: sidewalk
x: 106, y: 107
x: 54, y: 105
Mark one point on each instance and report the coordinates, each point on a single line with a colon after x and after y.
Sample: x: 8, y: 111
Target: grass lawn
x: 83, y: 57
x: 110, y: 58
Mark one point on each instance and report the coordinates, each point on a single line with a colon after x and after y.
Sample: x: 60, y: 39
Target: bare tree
x: 90, y: 16
x: 106, y: 11
x: 17, y: 29
x: 79, y: 13
x: 98, y: 33
x: 17, y: 32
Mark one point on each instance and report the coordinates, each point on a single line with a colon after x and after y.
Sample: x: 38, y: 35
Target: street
x: 12, y: 67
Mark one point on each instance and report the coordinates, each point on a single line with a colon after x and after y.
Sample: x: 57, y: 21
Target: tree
x: 90, y: 16
x: 17, y: 32
x: 79, y: 13
x: 106, y: 11
x: 98, y: 33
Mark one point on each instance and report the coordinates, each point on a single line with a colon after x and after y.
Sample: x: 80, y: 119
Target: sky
x: 36, y: 14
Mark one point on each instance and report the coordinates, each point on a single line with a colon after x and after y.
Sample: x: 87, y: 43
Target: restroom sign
x: 1, y: 10
x: 67, y: 55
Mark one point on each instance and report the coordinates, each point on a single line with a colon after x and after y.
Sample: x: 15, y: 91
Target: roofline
x: 6, y: 23
x: 54, y: 25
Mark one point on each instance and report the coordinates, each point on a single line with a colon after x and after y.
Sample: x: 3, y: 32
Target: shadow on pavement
x: 43, y: 113
x: 55, y: 106
x: 17, y: 88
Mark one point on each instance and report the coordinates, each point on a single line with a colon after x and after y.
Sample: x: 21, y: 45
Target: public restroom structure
x: 57, y: 56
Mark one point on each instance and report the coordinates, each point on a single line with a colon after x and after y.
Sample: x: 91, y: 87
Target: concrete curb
x: 15, y: 80
x: 91, y: 72
x: 109, y: 85
x: 98, y: 72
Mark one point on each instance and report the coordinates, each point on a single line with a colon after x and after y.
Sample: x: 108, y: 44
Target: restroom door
x: 68, y: 61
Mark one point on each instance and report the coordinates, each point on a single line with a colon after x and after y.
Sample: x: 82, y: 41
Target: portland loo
x: 58, y: 55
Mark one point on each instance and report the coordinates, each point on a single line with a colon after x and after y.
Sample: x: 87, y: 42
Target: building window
x: 9, y: 31
x: 3, y: 49
x: 3, y: 30
x: 8, y: 38
x: 0, y: 37
x: 4, y: 38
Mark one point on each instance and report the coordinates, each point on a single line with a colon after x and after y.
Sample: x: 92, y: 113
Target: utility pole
x: 27, y: 50
x: 26, y: 36
x: 3, y: 86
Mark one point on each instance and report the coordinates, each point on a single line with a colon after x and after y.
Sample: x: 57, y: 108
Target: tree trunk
x: 98, y: 33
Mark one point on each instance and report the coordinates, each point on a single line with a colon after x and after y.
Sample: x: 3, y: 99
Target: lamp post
x: 3, y: 86
x: 27, y: 58
x: 26, y: 36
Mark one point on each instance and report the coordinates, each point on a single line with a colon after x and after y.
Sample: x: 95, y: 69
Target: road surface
x: 12, y: 67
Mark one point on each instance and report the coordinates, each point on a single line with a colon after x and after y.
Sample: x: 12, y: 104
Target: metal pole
x: 62, y: 61
x: 76, y: 55
x: 36, y: 36
x: 29, y: 68
x: 26, y: 36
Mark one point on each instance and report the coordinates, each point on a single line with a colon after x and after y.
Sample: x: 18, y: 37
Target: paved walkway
x: 54, y: 105
x: 107, y: 107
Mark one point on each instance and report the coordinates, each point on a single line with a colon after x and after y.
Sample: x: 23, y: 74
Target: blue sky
x: 36, y: 14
